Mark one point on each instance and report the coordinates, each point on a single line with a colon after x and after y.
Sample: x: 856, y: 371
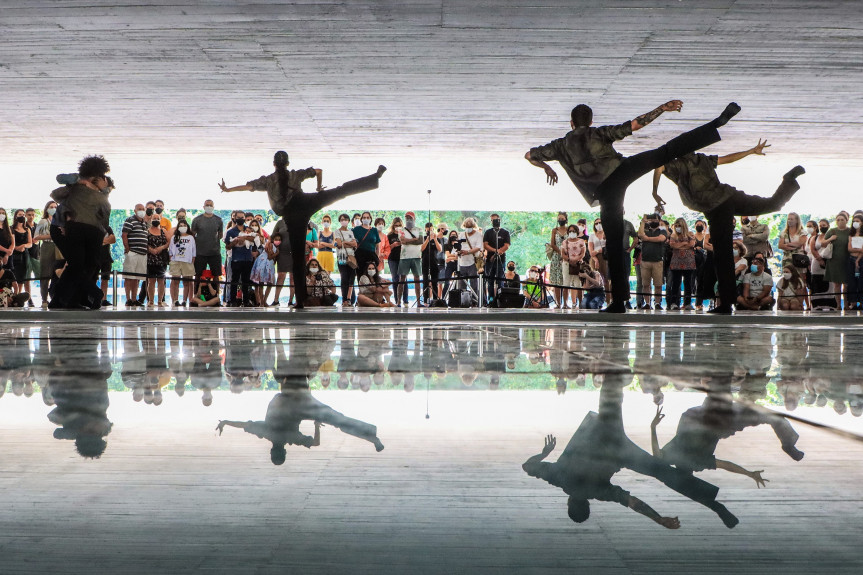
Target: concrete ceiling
x: 420, y: 80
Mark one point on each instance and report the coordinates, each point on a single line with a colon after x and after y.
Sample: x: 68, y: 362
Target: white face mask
x: 51, y: 211
x: 372, y: 271
x: 314, y: 270
x: 380, y: 227
x: 183, y: 229
x: 736, y: 252
x: 409, y: 223
x: 208, y: 209
x: 856, y: 225
x: 356, y: 222
x: 599, y: 227
x: 140, y: 213
x: 573, y: 235
x: 787, y: 276
x: 398, y: 229
x: 532, y: 275
x: 343, y: 224
x: 678, y: 229
x: 326, y: 225
x: 366, y: 221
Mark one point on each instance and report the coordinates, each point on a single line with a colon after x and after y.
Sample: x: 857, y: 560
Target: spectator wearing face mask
x: 855, y: 269
x: 496, y: 242
x: 756, y: 236
x: 311, y: 241
x: 555, y: 276
x: 157, y: 261
x: 594, y: 287
x: 208, y: 228
x: 792, y: 290
x: 238, y: 240
x: 7, y: 246
x: 410, y: 259
x: 531, y: 289
x: 33, y: 265
x: 134, y: 238
x: 818, y: 266
x: 653, y: 239
x: 682, y: 265
x: 321, y: 291
x: 741, y: 266
x: 451, y: 247
x: 705, y: 272
x: 346, y: 244
x: 597, y: 247
x: 373, y: 292
x: 471, y: 245
x: 572, y: 255
x: 384, y: 246
x: 394, y: 255
x: 836, y: 271
x: 368, y: 240
x: 431, y: 246
x: 757, y: 286
x: 21, y: 252
x: 182, y: 253
x: 284, y: 263
x: 264, y: 270
x: 106, y: 262
x: 207, y: 291
x: 42, y: 234
x: 442, y: 234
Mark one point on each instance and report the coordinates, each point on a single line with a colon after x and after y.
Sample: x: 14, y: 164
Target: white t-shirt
x: 757, y: 283
x: 598, y: 243
x: 857, y: 242
x: 469, y: 243
x: 410, y: 251
x: 345, y: 236
x: 184, y: 251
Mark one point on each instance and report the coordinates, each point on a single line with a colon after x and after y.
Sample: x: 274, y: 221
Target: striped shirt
x: 135, y: 231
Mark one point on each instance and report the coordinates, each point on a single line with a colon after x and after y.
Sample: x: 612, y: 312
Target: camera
x: 455, y: 245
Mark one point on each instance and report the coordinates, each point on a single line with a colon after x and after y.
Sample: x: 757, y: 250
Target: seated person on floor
x: 320, y: 289
x: 373, y: 291
x: 207, y: 294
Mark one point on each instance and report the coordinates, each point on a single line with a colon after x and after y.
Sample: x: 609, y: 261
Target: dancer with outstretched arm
x: 602, y: 175
x: 701, y: 190
x: 287, y: 200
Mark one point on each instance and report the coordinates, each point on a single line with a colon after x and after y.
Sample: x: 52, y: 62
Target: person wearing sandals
x: 682, y: 266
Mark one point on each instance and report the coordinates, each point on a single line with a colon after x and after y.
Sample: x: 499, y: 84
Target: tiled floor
x: 112, y: 461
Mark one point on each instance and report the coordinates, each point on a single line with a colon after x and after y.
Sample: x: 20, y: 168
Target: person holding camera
x: 594, y: 287
x: 320, y: 289
x: 471, y: 245
x: 496, y: 242
x: 653, y: 240
x: 572, y: 254
x: 410, y: 261
x: 430, y: 249
x: 451, y: 249
x: 532, y: 289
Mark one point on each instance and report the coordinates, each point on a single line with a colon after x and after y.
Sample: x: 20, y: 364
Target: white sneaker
x: 673, y: 307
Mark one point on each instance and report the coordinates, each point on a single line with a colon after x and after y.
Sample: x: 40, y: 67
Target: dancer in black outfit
x: 284, y: 189
x: 701, y: 190
x: 602, y: 175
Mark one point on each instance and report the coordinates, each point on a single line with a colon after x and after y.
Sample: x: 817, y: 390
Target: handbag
x: 801, y: 260
x: 478, y: 257
x: 826, y: 252
x: 350, y: 260
x: 549, y: 251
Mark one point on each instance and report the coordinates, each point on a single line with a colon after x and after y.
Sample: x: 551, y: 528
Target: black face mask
x: 495, y: 223
x: 699, y: 228
x: 511, y: 268
x: 154, y: 223
x: 20, y: 219
x: 824, y: 229
x: 745, y: 221
x: 453, y: 238
x: 160, y: 210
x: 653, y: 225
x: 561, y: 222
x: 240, y: 221
x: 149, y: 211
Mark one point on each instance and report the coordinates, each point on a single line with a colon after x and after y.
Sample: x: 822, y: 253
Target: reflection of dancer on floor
x: 701, y: 428
x: 602, y: 175
x: 282, y: 423
x: 701, y: 190
x: 599, y: 449
x: 284, y: 189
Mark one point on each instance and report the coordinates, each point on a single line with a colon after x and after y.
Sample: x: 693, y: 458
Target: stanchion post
x: 114, y: 288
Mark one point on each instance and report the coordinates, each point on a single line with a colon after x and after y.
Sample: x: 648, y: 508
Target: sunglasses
x: 757, y: 261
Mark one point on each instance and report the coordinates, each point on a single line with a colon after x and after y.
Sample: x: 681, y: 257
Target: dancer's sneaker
x: 795, y: 173
x: 721, y: 310
x: 614, y: 307
x: 729, y: 112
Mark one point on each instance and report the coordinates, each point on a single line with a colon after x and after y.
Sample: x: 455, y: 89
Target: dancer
x: 284, y: 189
x: 599, y: 449
x: 701, y: 190
x: 602, y: 175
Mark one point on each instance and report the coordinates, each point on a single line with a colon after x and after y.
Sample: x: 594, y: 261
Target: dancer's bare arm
x: 640, y: 506
x: 644, y: 119
x: 243, y: 188
x: 758, y: 150
x: 550, y: 175
x: 654, y: 440
x: 734, y: 468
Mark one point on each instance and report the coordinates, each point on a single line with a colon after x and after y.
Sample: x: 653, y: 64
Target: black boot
x: 730, y: 111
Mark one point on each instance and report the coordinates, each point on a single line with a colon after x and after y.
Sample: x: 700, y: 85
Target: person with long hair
x: 682, y: 265
x: 705, y: 274
x: 700, y: 189
x: 47, y: 248
x: 21, y: 254
x: 792, y: 241
x: 7, y: 243
x: 287, y: 200
x: 836, y: 270
x: 818, y: 266
x: 182, y: 253
x: 394, y: 255
x: 855, y: 270
x: 320, y: 287
x: 373, y: 291
x: 792, y: 289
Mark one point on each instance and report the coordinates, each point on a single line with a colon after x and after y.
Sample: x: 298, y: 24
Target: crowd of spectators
x: 381, y: 264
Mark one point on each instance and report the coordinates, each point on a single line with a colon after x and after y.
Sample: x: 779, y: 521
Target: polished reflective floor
x: 354, y: 448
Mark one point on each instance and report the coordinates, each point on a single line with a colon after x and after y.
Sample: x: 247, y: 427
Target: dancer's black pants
x: 612, y: 190
x: 299, y: 211
x: 721, y: 222
x: 82, y: 248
